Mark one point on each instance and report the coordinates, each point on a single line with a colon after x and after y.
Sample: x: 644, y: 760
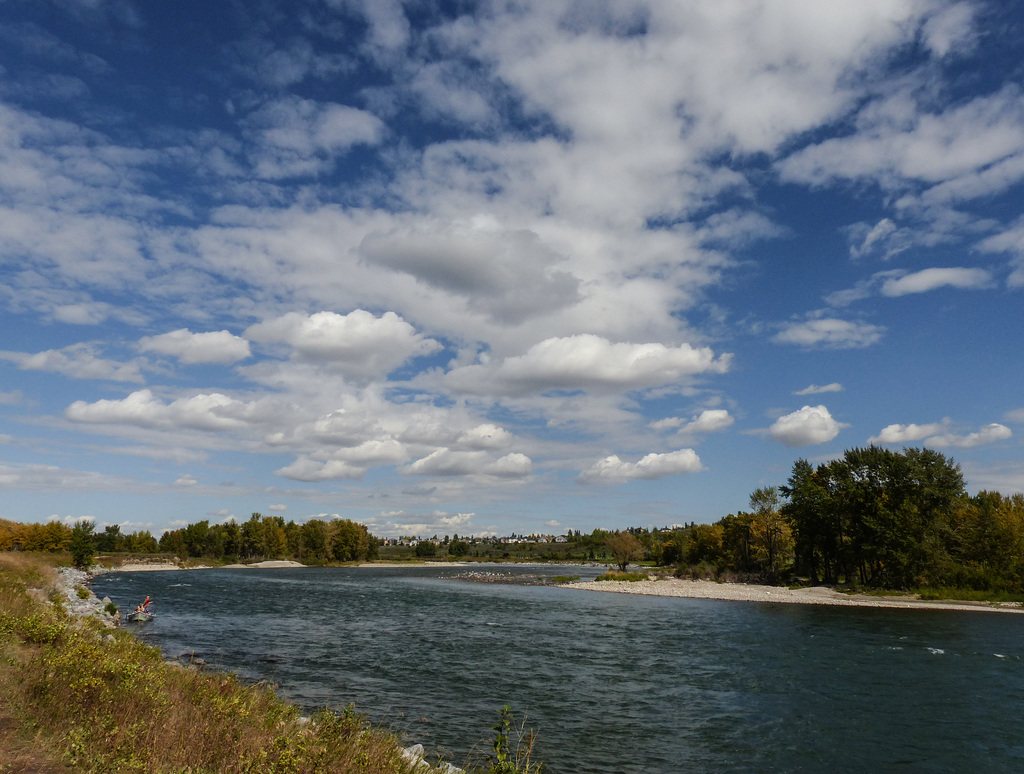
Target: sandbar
x: 816, y: 595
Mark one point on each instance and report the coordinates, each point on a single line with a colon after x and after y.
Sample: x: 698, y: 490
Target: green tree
x: 705, y: 545
x: 425, y: 549
x: 625, y: 547
x: 83, y: 546
x: 314, y: 540
x: 771, y: 539
x: 351, y: 541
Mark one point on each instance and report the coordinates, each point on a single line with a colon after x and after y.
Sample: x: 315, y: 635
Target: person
x: 143, y: 607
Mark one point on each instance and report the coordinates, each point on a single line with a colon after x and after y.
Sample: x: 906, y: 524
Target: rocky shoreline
x: 70, y: 580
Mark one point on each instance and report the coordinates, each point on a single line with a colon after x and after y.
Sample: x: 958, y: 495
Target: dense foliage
x: 271, y: 537
x: 872, y: 517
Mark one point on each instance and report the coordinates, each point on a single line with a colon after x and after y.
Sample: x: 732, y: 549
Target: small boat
x: 139, y: 616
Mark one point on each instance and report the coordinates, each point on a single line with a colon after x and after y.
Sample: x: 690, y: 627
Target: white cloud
x: 952, y: 29
x: 652, y: 466
x: 872, y: 238
x: 814, y: 389
x: 587, y: 362
x: 190, y: 348
x: 937, y: 434
x: 447, y: 462
x: 972, y: 149
x: 486, y: 436
x: 810, y: 425
x: 12, y: 398
x: 987, y: 434
x: 297, y: 137
x: 906, y: 433
x: 931, y: 279
x: 1016, y: 415
x: 830, y: 333
x: 507, y: 275
x: 708, y: 421
x: 358, y: 344
x: 205, y: 411
x: 78, y: 361
x: 310, y: 470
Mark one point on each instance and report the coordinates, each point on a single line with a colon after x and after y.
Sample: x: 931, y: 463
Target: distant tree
x: 314, y: 540
x: 705, y: 545
x: 425, y: 549
x: 83, y: 545
x: 458, y: 548
x: 350, y: 542
x: 770, y: 535
x: 625, y: 547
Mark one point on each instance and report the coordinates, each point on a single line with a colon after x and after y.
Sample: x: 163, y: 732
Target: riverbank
x: 815, y: 595
x: 166, y: 566
x: 79, y: 695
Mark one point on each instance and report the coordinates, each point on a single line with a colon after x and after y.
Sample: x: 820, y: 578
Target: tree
x: 425, y: 549
x: 83, y: 546
x: 624, y: 547
x: 351, y: 541
x: 771, y: 539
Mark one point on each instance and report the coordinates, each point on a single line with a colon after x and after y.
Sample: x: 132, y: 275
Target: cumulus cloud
x: 587, y: 362
x: 448, y: 462
x: 507, y: 275
x: 485, y: 436
x: 1016, y: 415
x: 708, y: 421
x: 830, y: 333
x: 987, y: 434
x: 357, y: 344
x: 938, y: 434
x: 206, y: 411
x: 906, y: 433
x: 310, y: 470
x: 296, y: 137
x: 810, y: 425
x: 814, y: 389
x: 190, y: 348
x: 78, y: 361
x: 930, y: 279
x: 971, y: 149
x: 613, y: 470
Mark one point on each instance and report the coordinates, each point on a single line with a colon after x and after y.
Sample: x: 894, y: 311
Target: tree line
x: 317, y: 541
x: 874, y: 517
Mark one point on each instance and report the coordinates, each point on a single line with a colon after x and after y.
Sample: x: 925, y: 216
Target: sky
x: 500, y: 267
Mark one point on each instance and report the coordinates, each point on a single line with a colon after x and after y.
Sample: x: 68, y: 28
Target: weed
x: 508, y: 759
x: 631, y: 577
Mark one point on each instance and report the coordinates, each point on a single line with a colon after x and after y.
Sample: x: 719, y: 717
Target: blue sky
x: 458, y: 267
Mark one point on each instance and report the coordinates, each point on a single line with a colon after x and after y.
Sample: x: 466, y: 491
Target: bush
x: 631, y: 577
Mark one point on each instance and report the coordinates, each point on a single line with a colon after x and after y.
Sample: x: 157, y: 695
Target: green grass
x: 631, y: 577
x: 75, y: 694
x: 970, y: 595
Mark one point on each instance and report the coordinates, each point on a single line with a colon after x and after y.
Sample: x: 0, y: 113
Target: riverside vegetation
x: 77, y: 696
x: 872, y: 519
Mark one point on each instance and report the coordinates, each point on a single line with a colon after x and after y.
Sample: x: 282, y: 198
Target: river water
x: 610, y: 682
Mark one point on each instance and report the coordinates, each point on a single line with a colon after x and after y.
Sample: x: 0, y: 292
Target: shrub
x: 631, y: 577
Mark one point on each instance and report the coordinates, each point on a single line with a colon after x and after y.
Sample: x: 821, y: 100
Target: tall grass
x: 102, y: 701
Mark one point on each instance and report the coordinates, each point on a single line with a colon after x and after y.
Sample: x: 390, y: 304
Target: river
x: 611, y: 683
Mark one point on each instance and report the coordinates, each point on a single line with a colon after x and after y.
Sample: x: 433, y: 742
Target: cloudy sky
x: 471, y: 267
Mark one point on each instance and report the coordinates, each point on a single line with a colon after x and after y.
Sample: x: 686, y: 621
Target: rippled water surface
x: 611, y: 682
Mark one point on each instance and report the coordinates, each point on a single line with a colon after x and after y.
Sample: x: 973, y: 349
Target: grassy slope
x: 75, y: 693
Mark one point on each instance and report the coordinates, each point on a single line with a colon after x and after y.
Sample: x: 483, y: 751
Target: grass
x: 632, y: 577
x: 77, y: 697
x: 970, y: 595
